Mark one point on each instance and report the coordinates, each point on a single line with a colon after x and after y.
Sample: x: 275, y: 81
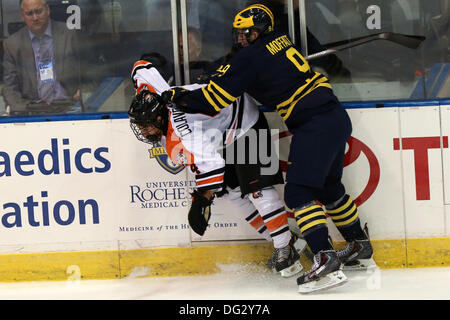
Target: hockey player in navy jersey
x: 271, y: 69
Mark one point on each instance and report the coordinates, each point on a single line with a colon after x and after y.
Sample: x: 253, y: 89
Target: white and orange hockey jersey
x: 195, y: 139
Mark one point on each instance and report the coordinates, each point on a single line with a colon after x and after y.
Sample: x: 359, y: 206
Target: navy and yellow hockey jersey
x: 272, y: 71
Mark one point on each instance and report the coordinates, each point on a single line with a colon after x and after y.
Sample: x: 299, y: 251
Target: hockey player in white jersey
x: 194, y: 140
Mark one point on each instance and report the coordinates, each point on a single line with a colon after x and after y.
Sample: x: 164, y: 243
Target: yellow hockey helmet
x: 256, y: 16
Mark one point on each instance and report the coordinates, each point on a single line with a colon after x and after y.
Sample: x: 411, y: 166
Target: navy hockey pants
x: 316, y: 158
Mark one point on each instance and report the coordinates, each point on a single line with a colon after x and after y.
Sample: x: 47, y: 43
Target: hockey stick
x: 408, y: 41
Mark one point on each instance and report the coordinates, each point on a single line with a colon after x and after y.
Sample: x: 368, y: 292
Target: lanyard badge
x: 46, y: 71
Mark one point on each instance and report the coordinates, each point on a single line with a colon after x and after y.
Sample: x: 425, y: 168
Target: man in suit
x: 41, y: 63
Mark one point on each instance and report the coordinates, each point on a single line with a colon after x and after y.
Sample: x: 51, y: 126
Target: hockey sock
x: 345, y: 214
x: 312, y: 221
x: 246, y: 209
x: 277, y: 224
x: 274, y: 215
x: 257, y: 222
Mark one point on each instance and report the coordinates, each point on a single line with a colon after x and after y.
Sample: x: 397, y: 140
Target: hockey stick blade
x: 408, y: 41
x: 412, y: 42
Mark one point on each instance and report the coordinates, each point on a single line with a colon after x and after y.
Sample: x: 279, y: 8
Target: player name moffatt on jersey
x: 278, y: 44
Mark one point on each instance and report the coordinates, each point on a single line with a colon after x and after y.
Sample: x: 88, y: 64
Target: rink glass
x: 113, y: 34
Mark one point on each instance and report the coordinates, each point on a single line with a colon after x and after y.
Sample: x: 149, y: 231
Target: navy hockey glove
x: 199, y: 213
x: 172, y: 95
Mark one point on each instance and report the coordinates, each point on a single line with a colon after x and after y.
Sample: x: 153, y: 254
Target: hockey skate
x: 299, y: 245
x: 325, y: 273
x: 357, y: 255
x: 286, y: 260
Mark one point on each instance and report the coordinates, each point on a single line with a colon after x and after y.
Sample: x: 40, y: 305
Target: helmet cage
x: 147, y: 110
x: 235, y: 34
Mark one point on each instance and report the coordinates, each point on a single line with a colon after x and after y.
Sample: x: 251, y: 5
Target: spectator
x: 198, y: 64
x: 194, y: 44
x: 212, y: 20
x: 41, y: 64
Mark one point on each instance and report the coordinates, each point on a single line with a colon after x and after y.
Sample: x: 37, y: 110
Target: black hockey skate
x: 357, y: 255
x: 286, y: 260
x: 324, y: 274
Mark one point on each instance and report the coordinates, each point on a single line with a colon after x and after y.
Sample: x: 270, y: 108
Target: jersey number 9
x: 297, y: 59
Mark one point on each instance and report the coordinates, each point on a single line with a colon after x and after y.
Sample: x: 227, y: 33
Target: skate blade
x: 331, y: 280
x: 360, y: 265
x: 292, y: 270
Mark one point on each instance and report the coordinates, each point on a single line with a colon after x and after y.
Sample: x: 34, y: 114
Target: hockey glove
x: 174, y: 94
x: 199, y: 213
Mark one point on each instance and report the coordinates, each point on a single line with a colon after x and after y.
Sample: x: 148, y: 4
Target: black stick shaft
x: 405, y: 40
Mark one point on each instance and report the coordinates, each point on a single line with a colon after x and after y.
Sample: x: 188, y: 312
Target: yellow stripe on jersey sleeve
x: 217, y: 96
x: 210, y: 100
x: 225, y: 95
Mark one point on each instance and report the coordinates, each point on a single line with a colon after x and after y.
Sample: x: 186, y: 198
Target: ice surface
x: 238, y: 282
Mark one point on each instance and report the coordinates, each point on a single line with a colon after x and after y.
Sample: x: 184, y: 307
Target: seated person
x: 41, y: 66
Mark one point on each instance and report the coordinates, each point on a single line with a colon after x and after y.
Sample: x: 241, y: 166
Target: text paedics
x: 50, y: 162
